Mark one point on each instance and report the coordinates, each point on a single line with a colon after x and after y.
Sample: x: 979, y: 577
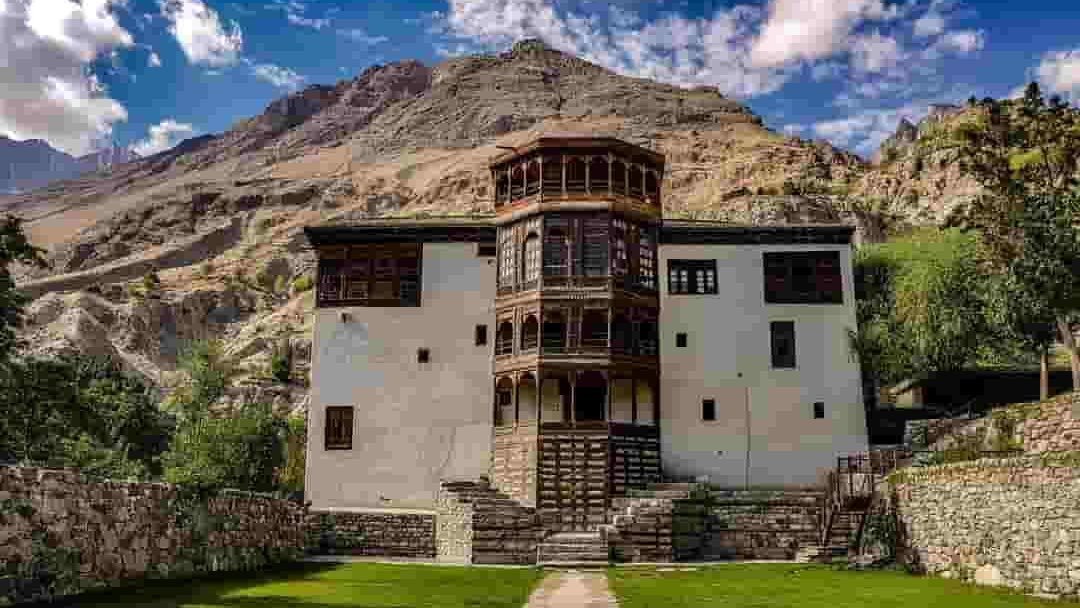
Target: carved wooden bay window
x: 595, y: 241
x: 376, y: 274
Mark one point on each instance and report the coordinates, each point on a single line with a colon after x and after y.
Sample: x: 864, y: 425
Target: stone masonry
x: 61, y: 534
x: 480, y: 525
x: 1011, y: 522
x: 382, y: 533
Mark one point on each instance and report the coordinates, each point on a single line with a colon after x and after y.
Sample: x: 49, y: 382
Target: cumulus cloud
x: 875, y: 53
x: 51, y: 94
x: 865, y: 130
x: 1059, y: 71
x: 162, y: 136
x: 278, y: 76
x: 744, y: 49
x: 807, y: 30
x: 200, y: 33
x: 154, y: 60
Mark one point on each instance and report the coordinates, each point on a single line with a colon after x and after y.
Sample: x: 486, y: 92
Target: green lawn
x: 333, y: 586
x: 799, y: 586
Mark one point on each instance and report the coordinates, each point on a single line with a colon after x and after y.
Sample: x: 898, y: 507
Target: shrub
x: 302, y: 283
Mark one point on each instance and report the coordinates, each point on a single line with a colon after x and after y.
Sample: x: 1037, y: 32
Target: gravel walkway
x: 573, y: 589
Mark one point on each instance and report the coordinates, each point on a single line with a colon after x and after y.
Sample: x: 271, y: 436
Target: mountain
x: 220, y: 216
x: 32, y: 163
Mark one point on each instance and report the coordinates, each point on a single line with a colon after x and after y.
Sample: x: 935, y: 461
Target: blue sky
x: 148, y: 73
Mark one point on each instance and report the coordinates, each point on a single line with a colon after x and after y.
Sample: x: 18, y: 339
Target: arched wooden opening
x: 646, y: 338
x: 530, y: 333
x: 599, y: 175
x: 554, y: 332
x: 532, y: 177
x: 517, y: 182
x: 504, y: 339
x: 552, y: 175
x: 618, y: 177
x: 575, y: 175
x: 645, y: 402
x: 556, y: 252
x: 527, y: 399
x: 652, y: 187
x: 504, y: 402
x: 637, y: 181
x: 531, y: 258
x: 621, y: 334
x: 590, y: 397
x: 594, y: 329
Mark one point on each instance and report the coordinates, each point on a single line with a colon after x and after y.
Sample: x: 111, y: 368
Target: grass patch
x: 332, y: 586
x: 804, y: 586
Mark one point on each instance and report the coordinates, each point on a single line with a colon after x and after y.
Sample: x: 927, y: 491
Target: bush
x: 281, y: 363
x: 242, y: 450
x: 302, y: 283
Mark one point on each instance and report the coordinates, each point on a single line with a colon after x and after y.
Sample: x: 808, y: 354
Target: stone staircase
x: 481, y: 525
x: 840, y: 540
x: 574, y: 549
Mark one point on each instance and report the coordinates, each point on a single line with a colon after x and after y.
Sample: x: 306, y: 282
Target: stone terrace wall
x: 1013, y: 522
x: 758, y: 524
x: 371, y: 533
x: 1047, y: 426
x: 480, y: 525
x: 61, y: 534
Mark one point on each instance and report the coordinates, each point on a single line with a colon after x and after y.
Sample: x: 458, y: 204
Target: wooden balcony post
x: 573, y: 397
x: 633, y: 399
x: 563, y: 157
x: 517, y: 394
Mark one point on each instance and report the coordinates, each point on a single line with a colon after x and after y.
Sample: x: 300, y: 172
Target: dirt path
x: 573, y: 589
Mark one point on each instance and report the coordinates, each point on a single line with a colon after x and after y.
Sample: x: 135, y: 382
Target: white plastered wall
x: 765, y: 433
x: 414, y: 423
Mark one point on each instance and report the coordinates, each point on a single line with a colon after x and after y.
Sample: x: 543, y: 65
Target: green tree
x: 1016, y: 148
x: 84, y: 412
x: 14, y: 247
x: 215, y: 446
x: 922, y: 305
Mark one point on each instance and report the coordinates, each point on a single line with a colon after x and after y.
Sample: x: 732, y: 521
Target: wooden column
x: 633, y: 399
x: 563, y: 157
x: 588, y: 184
x: 539, y: 395
x: 572, y: 380
x: 610, y: 178
x: 540, y: 161
x: 517, y: 392
x: 610, y: 389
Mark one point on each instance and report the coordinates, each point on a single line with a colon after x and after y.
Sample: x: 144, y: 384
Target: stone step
x: 820, y: 554
x: 567, y: 549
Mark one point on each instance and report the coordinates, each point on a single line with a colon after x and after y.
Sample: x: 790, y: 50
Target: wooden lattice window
x: 532, y: 258
x: 506, y: 257
x: 692, y: 277
x: 618, y: 243
x: 596, y: 247
x: 803, y: 277
x: 383, y: 274
x: 339, y: 427
x: 646, y: 259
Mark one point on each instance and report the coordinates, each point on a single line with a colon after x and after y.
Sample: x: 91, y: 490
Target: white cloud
x: 864, y: 130
x: 793, y: 129
x: 201, y: 34
x: 154, y: 60
x: 808, y: 30
x: 875, y: 53
x: 315, y: 24
x: 49, y: 91
x: 162, y: 136
x: 1059, y: 72
x: 361, y: 36
x: 962, y: 42
x: 278, y: 76
x: 929, y: 25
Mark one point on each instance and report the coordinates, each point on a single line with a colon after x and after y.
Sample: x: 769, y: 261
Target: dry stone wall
x: 61, y: 534
x: 371, y: 533
x: 1013, y: 522
x: 747, y: 524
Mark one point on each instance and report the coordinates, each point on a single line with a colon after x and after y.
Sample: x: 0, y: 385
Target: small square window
x: 819, y: 409
x: 423, y: 355
x: 481, y: 335
x: 680, y: 340
x: 708, y: 409
x: 782, y: 335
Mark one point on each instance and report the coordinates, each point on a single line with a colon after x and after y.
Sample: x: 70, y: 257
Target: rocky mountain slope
x: 220, y: 217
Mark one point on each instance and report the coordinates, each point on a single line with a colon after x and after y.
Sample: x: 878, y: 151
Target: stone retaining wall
x: 371, y: 533
x: 747, y: 524
x: 1047, y: 426
x: 1012, y: 522
x: 480, y: 525
x: 61, y: 534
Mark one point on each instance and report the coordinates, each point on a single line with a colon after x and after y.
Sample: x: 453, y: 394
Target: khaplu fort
x: 481, y: 386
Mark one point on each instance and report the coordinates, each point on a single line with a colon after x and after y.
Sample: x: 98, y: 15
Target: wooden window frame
x: 692, y: 277
x: 822, y: 269
x: 334, y: 438
x: 776, y: 361
x: 356, y: 275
